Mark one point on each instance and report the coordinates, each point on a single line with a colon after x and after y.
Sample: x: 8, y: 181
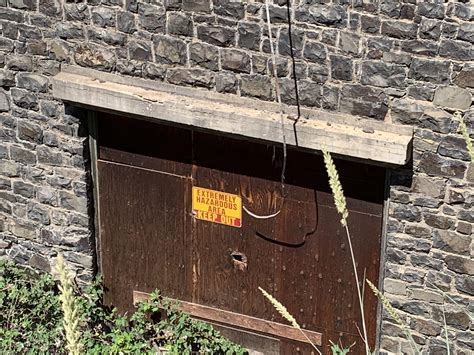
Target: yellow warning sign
x: 217, y: 207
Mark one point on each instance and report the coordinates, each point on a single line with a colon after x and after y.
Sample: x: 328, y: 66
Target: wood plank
x: 383, y: 144
x: 238, y: 320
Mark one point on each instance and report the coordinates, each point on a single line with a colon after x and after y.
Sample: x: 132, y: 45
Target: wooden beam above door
x: 341, y: 134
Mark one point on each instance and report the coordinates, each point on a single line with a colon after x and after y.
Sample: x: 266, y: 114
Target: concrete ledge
x: 376, y: 142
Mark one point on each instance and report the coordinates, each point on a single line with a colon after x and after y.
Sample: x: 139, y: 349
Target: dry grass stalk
x: 394, y: 314
x: 69, y: 306
x: 285, y: 314
x: 341, y: 207
x: 336, y: 187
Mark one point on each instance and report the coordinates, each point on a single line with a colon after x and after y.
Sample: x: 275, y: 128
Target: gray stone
x: 426, y: 327
x: 23, y: 4
x: 454, y: 147
x: 235, y: 60
x: 40, y: 262
x: 406, y: 213
x: 180, y: 24
x: 318, y: 73
x: 152, y: 18
x: 126, y: 22
x: 217, y: 35
x: 436, y: 120
x: 72, y: 202
x: 466, y: 32
x: 24, y: 230
x: 50, y: 8
x: 453, y: 97
x: 227, y: 83
x: 422, y: 91
x: 431, y: 10
x: 4, y: 102
x: 452, y: 242
x: 464, y: 11
x: 7, y: 78
x: 426, y: 295
x: 458, y: 50
x: 460, y: 264
x: 281, y: 66
x: 430, y: 186
x: 399, y: 29
x: 88, y: 55
x: 278, y: 14
x: 382, y: 75
x: 433, y: 164
x: 79, y: 259
x: 425, y: 261
x: 395, y: 287
x: 297, y: 36
x: 24, y: 99
x: 190, y: 77
x: 330, y: 97
x: 309, y: 93
x: 449, y: 29
x: 204, y: 55
x: 249, y: 35
x: 103, y: 16
x: 256, y: 86
x: 19, y: 62
x: 370, y: 24
x: 140, y: 50
x: 49, y: 156
x: 413, y: 307
x: 76, y: 12
x: 32, y: 82
x: 8, y: 168
x: 466, y: 215
x: 69, y: 30
x: 235, y: 9
x: 430, y: 29
x: 429, y: 70
x: 47, y: 195
x: 465, y: 77
x: 153, y: 71
x: 30, y: 132
x: 406, y: 111
x: 364, y: 101
x: 349, y: 42
x: 39, y: 214
x: 465, y: 284
x: 420, y: 47
x: 438, y: 221
x: 315, y: 52
x: 113, y: 38
x: 326, y: 15
x: 341, y: 68
x: 454, y: 196
x: 24, y: 156
x: 458, y: 319
x: 169, y: 50
x: 464, y: 228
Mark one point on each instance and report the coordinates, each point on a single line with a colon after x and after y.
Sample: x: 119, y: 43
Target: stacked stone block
x: 406, y: 62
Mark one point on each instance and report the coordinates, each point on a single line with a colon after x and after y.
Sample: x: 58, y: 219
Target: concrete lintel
x: 377, y: 142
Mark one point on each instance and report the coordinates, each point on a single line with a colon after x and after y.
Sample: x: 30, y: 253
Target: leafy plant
x: 31, y: 321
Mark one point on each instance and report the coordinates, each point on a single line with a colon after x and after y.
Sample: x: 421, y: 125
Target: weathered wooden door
x: 150, y: 236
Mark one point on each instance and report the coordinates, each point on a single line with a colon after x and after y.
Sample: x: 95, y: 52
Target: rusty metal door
x: 151, y: 239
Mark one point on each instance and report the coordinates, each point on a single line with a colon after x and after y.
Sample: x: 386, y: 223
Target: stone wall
x: 403, y: 62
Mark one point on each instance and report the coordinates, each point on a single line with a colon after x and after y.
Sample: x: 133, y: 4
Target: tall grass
x: 70, y: 309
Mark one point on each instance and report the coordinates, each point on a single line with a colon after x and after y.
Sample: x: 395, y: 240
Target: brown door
x: 151, y: 239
